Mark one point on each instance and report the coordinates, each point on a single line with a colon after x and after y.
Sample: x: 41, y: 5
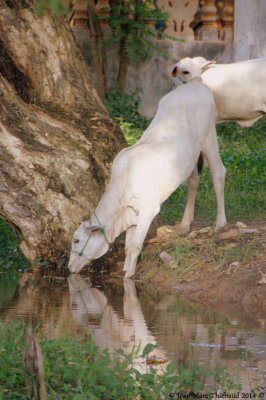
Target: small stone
x: 193, y: 234
x: 166, y: 258
x: 205, y: 230
x: 233, y: 322
x: 235, y: 264
x: 262, y: 279
x: 231, y: 245
x: 240, y: 224
x: 163, y: 230
x: 248, y: 230
x: 211, y: 232
x: 228, y: 234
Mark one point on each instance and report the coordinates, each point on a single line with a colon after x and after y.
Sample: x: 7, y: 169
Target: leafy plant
x: 130, y: 24
x: 124, y: 107
x: 55, y: 6
x: 12, y: 261
x: 76, y: 369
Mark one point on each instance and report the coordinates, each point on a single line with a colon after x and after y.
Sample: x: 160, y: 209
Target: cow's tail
x: 200, y: 163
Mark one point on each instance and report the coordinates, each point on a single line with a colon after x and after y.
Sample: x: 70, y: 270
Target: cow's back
x: 169, y: 148
x: 239, y: 89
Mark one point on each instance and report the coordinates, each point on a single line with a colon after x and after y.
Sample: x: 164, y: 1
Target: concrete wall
x: 249, y: 29
x: 181, y: 14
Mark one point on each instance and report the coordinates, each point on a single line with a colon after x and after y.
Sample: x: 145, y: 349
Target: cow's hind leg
x: 193, y: 183
x: 218, y: 173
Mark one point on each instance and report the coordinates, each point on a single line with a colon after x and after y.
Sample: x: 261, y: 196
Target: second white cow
x: 239, y: 88
x: 145, y: 174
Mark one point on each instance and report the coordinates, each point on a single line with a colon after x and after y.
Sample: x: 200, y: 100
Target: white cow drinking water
x: 239, y: 88
x: 145, y: 174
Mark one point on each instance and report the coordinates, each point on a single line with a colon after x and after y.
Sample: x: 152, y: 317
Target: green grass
x: 75, y: 369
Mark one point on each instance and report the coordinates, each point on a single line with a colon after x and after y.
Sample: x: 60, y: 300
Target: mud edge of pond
x: 222, y: 268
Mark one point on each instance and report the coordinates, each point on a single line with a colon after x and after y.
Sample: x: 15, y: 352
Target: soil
x: 223, y: 268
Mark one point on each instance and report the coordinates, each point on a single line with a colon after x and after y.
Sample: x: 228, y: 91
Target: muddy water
x: 119, y: 315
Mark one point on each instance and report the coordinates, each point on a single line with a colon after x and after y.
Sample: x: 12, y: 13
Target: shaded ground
x: 219, y: 268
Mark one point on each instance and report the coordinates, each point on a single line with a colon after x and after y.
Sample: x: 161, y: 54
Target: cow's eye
x: 185, y: 72
x: 76, y: 241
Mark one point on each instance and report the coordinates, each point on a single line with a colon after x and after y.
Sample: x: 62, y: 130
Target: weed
x: 131, y: 134
x: 244, y: 252
x: 190, y: 254
x: 124, y: 107
x: 9, y: 246
x: 12, y: 261
x: 76, y: 369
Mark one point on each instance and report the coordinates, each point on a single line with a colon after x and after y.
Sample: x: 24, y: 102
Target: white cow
x: 239, y: 88
x: 145, y: 174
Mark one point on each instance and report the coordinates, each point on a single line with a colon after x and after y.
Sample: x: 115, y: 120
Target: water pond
x: 124, y: 314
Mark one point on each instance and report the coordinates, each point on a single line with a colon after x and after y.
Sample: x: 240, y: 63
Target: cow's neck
x: 109, y: 215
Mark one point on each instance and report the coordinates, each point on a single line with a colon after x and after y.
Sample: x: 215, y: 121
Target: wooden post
x: 208, y: 31
x: 228, y: 18
x: 80, y: 14
x: 33, y: 365
x: 102, y: 10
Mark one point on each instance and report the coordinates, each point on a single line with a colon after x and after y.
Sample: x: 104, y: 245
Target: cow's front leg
x: 129, y: 238
x: 135, y: 240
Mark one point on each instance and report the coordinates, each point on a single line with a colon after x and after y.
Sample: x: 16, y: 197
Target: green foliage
x: 76, y: 369
x: 124, y: 109
x: 125, y: 106
x: 57, y: 7
x: 12, y: 347
x: 131, y: 134
x: 128, y: 21
x: 10, y: 253
x: 11, y: 262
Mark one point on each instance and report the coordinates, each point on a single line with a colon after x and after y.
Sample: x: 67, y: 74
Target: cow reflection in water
x: 90, y: 308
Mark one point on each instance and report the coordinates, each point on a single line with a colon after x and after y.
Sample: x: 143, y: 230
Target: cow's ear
x: 208, y: 64
x: 173, y: 71
x: 92, y: 228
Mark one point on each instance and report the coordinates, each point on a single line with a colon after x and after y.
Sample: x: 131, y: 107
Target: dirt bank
x: 219, y: 268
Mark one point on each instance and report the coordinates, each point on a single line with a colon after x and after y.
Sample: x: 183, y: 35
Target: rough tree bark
x: 57, y: 141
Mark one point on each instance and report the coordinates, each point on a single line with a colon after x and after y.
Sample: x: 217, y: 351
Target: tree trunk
x: 98, y: 63
x: 57, y: 141
x: 123, y: 64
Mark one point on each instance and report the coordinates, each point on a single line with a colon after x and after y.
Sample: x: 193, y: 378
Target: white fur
x: 144, y: 175
x: 239, y: 88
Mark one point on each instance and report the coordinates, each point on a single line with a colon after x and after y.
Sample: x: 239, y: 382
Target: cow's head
x: 190, y: 68
x: 88, y: 243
